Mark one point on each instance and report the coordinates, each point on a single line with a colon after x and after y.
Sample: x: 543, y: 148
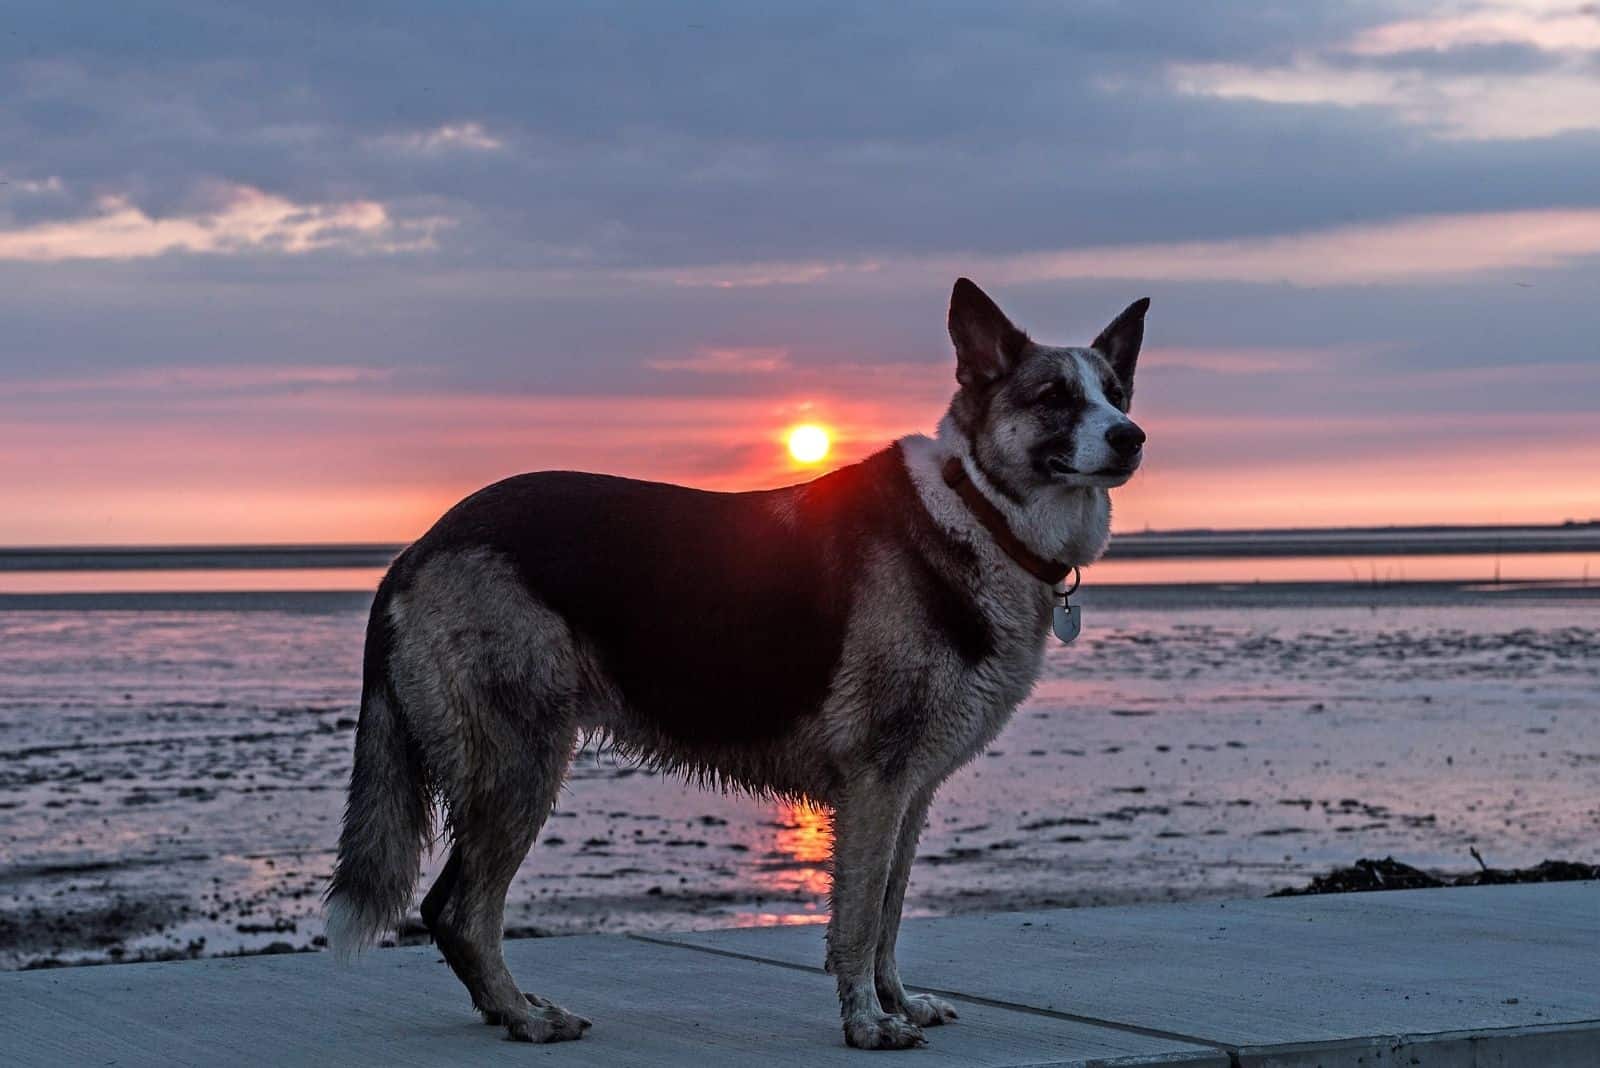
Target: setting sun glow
x: 808, y: 443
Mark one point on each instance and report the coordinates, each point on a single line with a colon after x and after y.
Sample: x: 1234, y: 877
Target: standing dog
x: 852, y: 640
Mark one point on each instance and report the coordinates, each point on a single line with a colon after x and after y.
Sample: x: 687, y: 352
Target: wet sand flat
x: 173, y: 772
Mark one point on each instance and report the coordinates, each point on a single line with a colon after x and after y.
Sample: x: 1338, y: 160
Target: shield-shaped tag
x: 1067, y: 622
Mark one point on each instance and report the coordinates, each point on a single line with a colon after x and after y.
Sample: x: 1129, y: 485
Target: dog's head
x: 1037, y: 415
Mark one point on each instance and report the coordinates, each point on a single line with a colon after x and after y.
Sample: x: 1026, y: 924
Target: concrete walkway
x: 1474, y: 976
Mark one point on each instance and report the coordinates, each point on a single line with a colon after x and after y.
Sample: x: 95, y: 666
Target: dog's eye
x: 1055, y: 395
x: 1114, y: 396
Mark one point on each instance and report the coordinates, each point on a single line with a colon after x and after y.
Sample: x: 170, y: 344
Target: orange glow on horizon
x: 366, y: 461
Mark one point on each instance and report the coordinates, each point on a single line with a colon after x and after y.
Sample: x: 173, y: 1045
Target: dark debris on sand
x: 99, y: 927
x: 1390, y: 874
x: 411, y: 931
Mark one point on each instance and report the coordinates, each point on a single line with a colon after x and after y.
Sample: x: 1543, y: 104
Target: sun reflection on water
x: 805, y: 833
x: 795, y: 867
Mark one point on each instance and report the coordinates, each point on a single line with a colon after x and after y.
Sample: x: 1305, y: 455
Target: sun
x: 808, y: 443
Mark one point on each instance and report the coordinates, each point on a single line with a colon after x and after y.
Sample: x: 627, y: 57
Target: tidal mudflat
x: 172, y: 770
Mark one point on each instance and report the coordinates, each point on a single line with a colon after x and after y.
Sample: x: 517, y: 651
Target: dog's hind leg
x: 495, y: 824
x: 866, y: 825
x: 924, y: 1010
x: 457, y: 952
x: 443, y: 886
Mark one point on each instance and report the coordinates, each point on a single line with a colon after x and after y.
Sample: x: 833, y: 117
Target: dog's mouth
x: 1059, y: 465
x: 1061, y: 469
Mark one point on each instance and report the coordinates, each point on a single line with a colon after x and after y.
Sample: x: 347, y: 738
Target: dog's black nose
x: 1125, y: 438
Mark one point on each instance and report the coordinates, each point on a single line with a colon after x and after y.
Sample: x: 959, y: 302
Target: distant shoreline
x: 1096, y: 596
x: 1146, y: 545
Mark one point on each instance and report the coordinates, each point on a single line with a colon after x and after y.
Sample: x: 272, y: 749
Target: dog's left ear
x: 1119, y: 343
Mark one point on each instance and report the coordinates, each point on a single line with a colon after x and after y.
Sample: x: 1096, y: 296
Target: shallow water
x: 172, y: 779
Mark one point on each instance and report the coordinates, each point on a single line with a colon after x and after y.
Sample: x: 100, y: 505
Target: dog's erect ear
x: 1119, y: 343
x: 987, y: 345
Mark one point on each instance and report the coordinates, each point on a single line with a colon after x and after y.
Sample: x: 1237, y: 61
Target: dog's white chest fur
x: 1071, y: 526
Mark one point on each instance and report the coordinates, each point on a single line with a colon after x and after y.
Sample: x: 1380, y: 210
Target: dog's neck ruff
x: 1050, y: 572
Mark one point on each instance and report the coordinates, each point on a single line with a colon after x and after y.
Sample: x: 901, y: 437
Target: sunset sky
x: 280, y: 273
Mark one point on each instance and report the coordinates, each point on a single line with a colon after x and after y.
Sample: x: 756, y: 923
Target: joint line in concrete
x: 975, y: 999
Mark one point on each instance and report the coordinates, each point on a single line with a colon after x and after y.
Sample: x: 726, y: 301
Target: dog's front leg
x: 866, y: 825
x: 922, y: 1009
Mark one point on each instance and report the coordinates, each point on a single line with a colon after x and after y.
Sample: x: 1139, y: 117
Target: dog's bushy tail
x: 387, y: 818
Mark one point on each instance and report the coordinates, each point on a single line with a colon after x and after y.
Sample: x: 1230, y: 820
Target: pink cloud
x: 245, y: 219
x: 450, y: 137
x: 1505, y: 104
x: 1554, y: 27
x: 1410, y: 249
x: 726, y: 361
x: 1242, y: 361
x: 210, y: 378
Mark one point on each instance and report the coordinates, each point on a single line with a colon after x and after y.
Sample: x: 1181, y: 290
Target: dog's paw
x: 882, y: 1031
x: 548, y: 1022
x: 925, y: 1010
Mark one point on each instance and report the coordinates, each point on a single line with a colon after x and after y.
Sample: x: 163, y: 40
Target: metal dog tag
x: 1068, y: 622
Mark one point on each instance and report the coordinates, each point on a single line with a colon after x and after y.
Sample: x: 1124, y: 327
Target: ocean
x: 176, y: 743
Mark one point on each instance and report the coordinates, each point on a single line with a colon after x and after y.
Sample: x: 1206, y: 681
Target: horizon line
x: 1572, y: 536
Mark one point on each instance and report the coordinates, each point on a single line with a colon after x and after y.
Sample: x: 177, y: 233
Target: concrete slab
x: 1480, y: 976
x: 1314, y: 980
x: 652, y: 1005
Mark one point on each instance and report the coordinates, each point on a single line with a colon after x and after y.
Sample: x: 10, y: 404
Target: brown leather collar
x: 984, y: 511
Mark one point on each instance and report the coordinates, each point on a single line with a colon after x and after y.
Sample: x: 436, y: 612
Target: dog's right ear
x: 987, y: 344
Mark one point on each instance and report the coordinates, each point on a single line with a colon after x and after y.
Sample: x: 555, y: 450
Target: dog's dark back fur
x: 689, y: 598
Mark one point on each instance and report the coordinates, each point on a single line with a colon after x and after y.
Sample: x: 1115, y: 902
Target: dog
x: 850, y: 641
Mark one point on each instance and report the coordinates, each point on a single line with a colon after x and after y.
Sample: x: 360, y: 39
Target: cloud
x: 1402, y: 250
x: 450, y: 137
x: 31, y: 186
x: 1506, y: 106
x: 1560, y: 26
x: 1237, y: 361
x: 692, y: 134
x: 244, y: 220
x: 1404, y: 68
x: 712, y: 361
x: 196, y: 379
